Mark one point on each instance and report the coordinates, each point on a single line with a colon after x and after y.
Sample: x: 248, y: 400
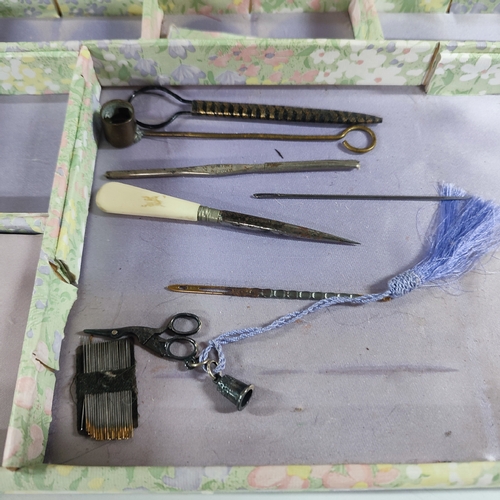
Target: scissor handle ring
x: 184, y: 333
x: 153, y: 89
x: 181, y: 340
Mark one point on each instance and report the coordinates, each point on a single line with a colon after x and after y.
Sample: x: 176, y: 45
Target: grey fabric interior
x: 412, y: 380
x: 395, y: 26
x: 69, y: 28
x: 18, y: 265
x: 284, y: 25
x: 421, y: 26
x: 32, y: 128
x: 31, y: 133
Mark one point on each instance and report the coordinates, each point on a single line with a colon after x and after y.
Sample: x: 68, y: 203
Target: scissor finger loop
x: 154, y: 89
x: 186, y: 343
x: 181, y: 319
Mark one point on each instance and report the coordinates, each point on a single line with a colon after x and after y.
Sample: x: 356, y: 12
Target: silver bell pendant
x: 236, y: 391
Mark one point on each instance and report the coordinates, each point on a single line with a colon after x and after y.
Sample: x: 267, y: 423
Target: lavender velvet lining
x: 414, y: 379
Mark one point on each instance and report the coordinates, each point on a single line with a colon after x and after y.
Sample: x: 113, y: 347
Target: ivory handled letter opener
x: 119, y: 198
x: 262, y: 293
x: 235, y: 168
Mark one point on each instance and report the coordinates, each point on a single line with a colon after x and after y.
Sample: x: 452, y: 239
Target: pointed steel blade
x: 253, y: 223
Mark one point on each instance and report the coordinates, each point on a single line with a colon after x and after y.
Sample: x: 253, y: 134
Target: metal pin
x: 371, y: 197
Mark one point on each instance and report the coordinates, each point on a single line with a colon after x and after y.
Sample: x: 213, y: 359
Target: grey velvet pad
x: 31, y: 128
x: 69, y: 28
x: 31, y: 133
x: 420, y: 26
x: 395, y: 26
x: 413, y: 380
x: 18, y: 265
x: 303, y: 25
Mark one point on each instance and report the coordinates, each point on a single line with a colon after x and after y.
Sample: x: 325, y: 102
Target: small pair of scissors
x: 152, y: 339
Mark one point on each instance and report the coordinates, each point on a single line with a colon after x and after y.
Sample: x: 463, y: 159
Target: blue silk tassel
x: 463, y: 232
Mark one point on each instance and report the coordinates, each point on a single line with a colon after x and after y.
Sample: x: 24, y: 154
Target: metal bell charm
x: 233, y: 389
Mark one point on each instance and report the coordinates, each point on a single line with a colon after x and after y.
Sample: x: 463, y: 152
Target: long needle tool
x: 259, y: 293
x: 251, y: 111
x: 293, y: 196
x: 119, y: 198
x: 235, y: 168
x: 121, y: 130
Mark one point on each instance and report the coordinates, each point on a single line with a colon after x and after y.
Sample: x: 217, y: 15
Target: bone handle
x: 119, y: 198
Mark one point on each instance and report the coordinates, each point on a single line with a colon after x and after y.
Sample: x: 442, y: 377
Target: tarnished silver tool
x: 258, y: 293
x: 236, y: 168
x: 118, y: 198
x: 369, y: 197
x: 181, y: 326
x: 250, y: 111
x: 121, y: 130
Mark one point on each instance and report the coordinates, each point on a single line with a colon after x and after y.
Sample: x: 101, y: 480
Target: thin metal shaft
x: 293, y: 196
x: 264, y: 293
x: 222, y: 169
x: 273, y: 137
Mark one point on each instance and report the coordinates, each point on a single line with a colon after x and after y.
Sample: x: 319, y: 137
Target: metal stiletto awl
x: 118, y: 198
x: 252, y: 111
x: 257, y: 293
x: 121, y: 130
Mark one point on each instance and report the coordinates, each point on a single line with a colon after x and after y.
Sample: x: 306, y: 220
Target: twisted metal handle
x: 279, y: 113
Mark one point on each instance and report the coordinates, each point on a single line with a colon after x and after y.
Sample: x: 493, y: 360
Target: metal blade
x: 253, y: 223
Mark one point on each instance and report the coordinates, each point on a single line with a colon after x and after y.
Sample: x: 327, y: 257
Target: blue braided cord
x: 236, y: 335
x: 464, y: 231
x: 404, y: 283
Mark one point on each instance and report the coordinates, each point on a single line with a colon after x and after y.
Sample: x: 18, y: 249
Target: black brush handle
x: 279, y: 113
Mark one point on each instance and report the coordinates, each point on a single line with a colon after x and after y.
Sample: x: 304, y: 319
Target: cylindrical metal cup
x: 234, y: 390
x: 118, y: 123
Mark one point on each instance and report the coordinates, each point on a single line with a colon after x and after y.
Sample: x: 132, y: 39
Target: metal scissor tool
x: 239, y: 393
x: 181, y: 326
